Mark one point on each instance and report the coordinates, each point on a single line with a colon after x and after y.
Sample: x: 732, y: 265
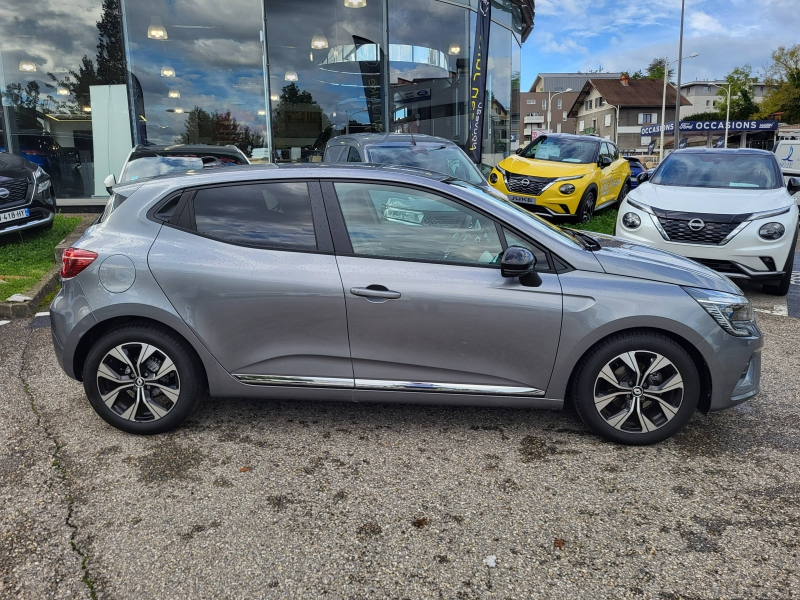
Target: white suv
x: 727, y: 209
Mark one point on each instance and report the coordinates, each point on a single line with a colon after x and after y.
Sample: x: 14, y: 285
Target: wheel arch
x: 703, y: 370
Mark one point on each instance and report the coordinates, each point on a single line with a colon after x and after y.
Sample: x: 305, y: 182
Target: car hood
x: 621, y: 257
x: 543, y: 168
x: 716, y: 201
x: 14, y: 166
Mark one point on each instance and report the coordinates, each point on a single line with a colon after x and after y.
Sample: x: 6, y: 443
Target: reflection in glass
x: 49, y: 71
x: 497, y: 126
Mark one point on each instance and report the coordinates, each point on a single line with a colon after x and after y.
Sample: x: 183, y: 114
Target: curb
x: 50, y: 280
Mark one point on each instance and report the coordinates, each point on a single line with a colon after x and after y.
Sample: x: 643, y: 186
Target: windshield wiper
x: 588, y: 241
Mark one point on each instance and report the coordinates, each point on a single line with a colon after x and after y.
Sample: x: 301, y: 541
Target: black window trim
x: 151, y: 213
x: 186, y: 220
x: 343, y: 246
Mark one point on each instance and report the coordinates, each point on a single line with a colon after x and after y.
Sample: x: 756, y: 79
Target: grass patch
x: 602, y: 222
x: 25, y: 257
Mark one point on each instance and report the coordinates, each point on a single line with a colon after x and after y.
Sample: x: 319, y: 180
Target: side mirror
x: 109, y: 182
x: 643, y: 176
x: 605, y: 161
x: 793, y: 185
x: 519, y: 151
x: 520, y: 262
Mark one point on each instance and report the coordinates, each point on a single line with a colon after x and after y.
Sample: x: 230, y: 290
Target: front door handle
x: 375, y: 291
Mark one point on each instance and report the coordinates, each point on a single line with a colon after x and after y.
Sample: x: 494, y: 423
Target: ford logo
x: 4, y: 193
x: 696, y: 224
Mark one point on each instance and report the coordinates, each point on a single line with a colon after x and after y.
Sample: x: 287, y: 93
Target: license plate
x: 522, y: 199
x: 14, y: 215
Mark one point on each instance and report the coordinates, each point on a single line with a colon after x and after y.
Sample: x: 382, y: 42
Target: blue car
x: 636, y: 168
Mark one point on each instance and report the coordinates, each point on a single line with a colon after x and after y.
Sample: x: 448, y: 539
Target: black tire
x: 586, y: 206
x: 187, y: 373
x: 624, y: 191
x: 589, y: 383
x: 782, y: 288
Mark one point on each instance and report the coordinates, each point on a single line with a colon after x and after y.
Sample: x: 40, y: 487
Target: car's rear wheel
x: 636, y: 388
x: 782, y: 288
x: 142, y: 379
x: 586, y: 206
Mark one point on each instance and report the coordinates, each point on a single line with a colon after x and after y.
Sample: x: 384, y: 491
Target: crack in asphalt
x: 59, y: 468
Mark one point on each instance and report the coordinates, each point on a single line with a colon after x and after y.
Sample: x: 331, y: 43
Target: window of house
x: 531, y: 101
x: 544, y: 104
x: 708, y: 102
x: 608, y: 121
x: 645, y: 118
x: 581, y: 125
x: 398, y: 222
x: 559, y: 104
x: 705, y: 88
x: 564, y: 118
x: 262, y: 214
x: 558, y: 127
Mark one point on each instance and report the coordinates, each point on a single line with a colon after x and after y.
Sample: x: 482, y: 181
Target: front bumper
x: 550, y: 202
x: 734, y: 365
x: 39, y: 216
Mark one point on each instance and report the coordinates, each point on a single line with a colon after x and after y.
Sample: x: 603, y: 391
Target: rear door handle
x: 375, y: 291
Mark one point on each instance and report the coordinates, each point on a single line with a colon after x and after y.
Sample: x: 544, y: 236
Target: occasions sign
x: 708, y: 126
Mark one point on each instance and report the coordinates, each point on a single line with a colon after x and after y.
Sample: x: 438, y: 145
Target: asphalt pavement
x: 269, y: 499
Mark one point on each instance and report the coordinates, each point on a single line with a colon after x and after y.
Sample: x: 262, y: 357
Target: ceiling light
x: 174, y: 94
x: 454, y: 49
x: 62, y: 91
x: 291, y: 75
x: 27, y: 66
x: 157, y: 31
x: 87, y: 108
x: 274, y: 97
x: 261, y: 112
x: 167, y: 71
x: 355, y: 3
x: 177, y: 109
x: 319, y: 41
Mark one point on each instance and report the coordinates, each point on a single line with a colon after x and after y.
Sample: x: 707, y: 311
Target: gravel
x: 254, y: 499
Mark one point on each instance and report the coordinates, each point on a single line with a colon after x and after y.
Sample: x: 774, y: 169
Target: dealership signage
x: 477, y: 103
x: 371, y: 75
x: 412, y: 96
x: 709, y: 126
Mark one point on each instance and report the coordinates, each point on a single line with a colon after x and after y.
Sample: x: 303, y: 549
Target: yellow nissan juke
x: 560, y: 174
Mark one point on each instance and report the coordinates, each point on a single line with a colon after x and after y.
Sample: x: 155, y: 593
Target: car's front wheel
x: 142, y: 379
x: 586, y: 206
x: 636, y: 388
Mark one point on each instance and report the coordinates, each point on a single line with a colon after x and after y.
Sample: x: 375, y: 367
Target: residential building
x: 702, y: 96
x: 616, y: 109
x: 533, y: 107
x: 558, y: 82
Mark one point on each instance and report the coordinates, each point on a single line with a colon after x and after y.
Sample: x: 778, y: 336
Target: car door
x: 250, y: 268
x: 427, y: 308
x: 607, y: 187
x: 622, y: 169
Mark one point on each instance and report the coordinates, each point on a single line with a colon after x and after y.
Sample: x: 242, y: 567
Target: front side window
x: 262, y: 214
x: 718, y: 170
x: 398, y: 222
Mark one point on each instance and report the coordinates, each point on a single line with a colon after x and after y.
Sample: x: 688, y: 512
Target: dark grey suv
x: 381, y: 284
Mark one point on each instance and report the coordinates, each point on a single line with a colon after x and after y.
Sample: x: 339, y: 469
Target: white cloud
x: 704, y: 23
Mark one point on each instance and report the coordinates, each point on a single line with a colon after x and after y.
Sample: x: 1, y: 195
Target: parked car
x: 560, y: 174
x: 636, y: 167
x: 376, y: 283
x: 410, y: 150
x: 788, y: 154
x: 727, y: 209
x: 149, y: 161
x: 63, y: 165
x: 27, y: 198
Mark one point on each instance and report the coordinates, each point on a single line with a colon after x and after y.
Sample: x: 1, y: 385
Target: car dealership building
x: 84, y: 80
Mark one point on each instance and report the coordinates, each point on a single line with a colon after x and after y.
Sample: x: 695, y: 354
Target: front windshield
x: 533, y: 219
x: 567, y: 150
x: 150, y: 166
x: 449, y: 160
x: 719, y: 170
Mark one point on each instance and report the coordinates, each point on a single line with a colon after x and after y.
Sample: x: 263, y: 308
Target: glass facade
x: 275, y: 78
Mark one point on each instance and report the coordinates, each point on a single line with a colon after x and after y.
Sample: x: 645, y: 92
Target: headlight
x: 42, y: 180
x: 731, y: 312
x: 567, y: 188
x: 631, y: 220
x: 771, y: 231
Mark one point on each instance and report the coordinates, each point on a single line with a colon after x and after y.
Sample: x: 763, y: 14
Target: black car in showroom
x: 27, y: 198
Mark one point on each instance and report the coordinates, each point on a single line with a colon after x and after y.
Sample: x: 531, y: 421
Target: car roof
x: 188, y: 148
x: 573, y: 136
x: 368, y: 139
x: 754, y: 151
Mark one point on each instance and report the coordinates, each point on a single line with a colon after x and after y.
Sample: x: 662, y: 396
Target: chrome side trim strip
x: 339, y: 382
x: 463, y: 388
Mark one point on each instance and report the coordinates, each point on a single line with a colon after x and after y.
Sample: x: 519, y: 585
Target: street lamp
x: 667, y: 66
x: 727, y: 89
x: 678, y: 82
x: 550, y: 96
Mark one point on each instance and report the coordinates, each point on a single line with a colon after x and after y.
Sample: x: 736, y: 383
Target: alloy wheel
x: 138, y: 382
x: 588, y: 208
x: 638, y: 391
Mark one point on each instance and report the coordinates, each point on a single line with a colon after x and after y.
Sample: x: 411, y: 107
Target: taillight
x: 75, y: 260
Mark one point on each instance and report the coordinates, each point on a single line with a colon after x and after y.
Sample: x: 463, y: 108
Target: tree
x: 203, y: 127
x: 741, y: 82
x: 655, y: 70
x: 783, y: 80
x: 711, y: 115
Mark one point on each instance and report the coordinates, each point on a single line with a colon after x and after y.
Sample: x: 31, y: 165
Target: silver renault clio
x: 387, y: 284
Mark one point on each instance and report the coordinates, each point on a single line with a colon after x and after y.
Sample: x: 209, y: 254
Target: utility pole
x: 678, y: 82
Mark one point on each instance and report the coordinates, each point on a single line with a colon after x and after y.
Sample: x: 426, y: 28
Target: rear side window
x: 334, y: 153
x: 352, y: 155
x: 263, y: 214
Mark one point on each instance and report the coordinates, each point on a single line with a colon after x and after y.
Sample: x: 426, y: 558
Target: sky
x: 625, y: 35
